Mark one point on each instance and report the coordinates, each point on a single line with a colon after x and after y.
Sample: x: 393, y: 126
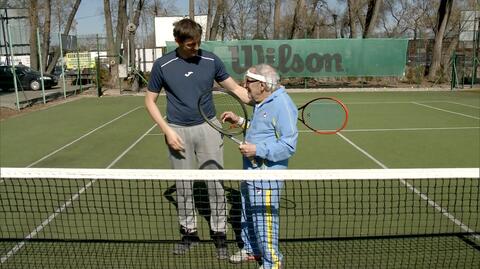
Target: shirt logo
x: 188, y: 74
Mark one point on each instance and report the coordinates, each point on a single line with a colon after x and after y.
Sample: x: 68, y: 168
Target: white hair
x: 265, y: 73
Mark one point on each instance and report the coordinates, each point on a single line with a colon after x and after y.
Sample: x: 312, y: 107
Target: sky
x: 91, y: 21
x: 90, y: 17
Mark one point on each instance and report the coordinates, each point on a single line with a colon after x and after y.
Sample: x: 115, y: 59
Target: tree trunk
x: 191, y: 9
x: 112, y: 58
x: 446, y: 60
x: 277, y: 19
x: 46, y: 34
x: 109, y: 29
x: 209, y: 19
x: 351, y: 18
x: 124, y: 39
x: 131, y: 37
x: 297, y: 19
x: 52, y: 64
x: 121, y: 24
x: 258, y: 15
x: 118, y: 39
x: 371, y: 19
x: 33, y: 14
x: 313, y: 21
x: 216, y: 20
x: 444, y: 11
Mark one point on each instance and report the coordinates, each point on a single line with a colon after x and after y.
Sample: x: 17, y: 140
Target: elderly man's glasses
x: 250, y: 81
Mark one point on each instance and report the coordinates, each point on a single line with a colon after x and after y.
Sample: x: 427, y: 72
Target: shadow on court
x: 202, y: 204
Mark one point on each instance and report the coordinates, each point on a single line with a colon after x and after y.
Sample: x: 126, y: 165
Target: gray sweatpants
x: 203, y: 150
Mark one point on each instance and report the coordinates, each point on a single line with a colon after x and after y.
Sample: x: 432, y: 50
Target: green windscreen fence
x: 313, y: 57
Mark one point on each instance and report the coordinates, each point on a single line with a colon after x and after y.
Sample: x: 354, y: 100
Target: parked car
x: 27, y: 78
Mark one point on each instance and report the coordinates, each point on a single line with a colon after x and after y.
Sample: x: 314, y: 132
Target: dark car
x: 27, y: 78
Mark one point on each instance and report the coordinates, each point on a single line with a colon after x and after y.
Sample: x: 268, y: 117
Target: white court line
x: 407, y: 102
x: 416, y: 191
x: 392, y: 129
x: 410, y: 129
x: 380, y: 130
x: 395, y: 102
x: 456, y: 103
x: 67, y: 204
x: 81, y: 137
x: 363, y: 151
x: 130, y: 147
x: 448, y: 111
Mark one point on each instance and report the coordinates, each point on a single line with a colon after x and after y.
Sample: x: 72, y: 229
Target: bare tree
x: 371, y: 18
x: 191, y: 9
x: 313, y: 18
x: 132, y: 30
x: 114, y: 42
x: 46, y: 33
x: 33, y: 11
x: 395, y: 23
x: 258, y: 15
x: 276, y: 19
x: 33, y: 14
x: 352, y: 7
x: 444, y: 11
x: 66, y: 30
x: 122, y: 20
x: 209, y: 18
x: 131, y: 38
x: 297, y: 24
x: 109, y: 29
x: 60, y: 12
x: 216, y: 20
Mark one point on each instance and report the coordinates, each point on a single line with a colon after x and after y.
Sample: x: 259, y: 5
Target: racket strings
x: 325, y: 115
x: 225, y: 102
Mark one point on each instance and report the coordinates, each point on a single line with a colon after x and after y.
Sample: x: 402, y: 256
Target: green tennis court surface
x: 374, y: 224
x: 397, y: 130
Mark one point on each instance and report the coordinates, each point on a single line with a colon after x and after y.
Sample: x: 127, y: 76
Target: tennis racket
x: 324, y: 115
x: 223, y: 101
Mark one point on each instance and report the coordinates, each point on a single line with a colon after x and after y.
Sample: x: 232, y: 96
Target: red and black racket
x: 324, y: 115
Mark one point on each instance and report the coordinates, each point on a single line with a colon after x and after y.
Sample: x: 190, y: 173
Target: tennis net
x: 126, y: 218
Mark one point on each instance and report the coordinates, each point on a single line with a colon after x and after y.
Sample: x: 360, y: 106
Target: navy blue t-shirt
x: 184, y: 80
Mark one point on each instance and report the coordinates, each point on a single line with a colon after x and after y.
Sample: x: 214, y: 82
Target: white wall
x: 164, y: 28
x: 147, y: 57
x: 25, y: 59
x: 469, y: 18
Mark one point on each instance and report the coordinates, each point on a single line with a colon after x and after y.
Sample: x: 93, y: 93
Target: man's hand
x: 174, y: 141
x: 229, y: 116
x: 248, y: 150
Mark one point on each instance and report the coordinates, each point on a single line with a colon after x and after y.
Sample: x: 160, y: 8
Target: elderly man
x: 271, y: 140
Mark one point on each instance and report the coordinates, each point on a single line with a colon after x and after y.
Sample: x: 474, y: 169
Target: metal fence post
x: 40, y: 64
x: 63, y: 71
x: 13, y: 67
x: 99, y: 87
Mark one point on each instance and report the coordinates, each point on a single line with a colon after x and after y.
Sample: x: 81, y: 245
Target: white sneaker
x: 242, y: 256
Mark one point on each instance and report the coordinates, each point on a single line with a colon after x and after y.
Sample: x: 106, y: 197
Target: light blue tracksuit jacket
x: 273, y: 129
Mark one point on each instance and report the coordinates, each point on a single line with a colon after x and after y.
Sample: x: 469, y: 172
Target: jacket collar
x: 275, y: 94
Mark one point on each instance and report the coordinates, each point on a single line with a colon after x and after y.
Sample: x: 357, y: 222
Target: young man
x: 185, y: 74
x: 270, y: 141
